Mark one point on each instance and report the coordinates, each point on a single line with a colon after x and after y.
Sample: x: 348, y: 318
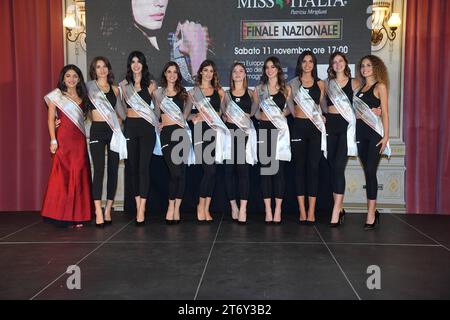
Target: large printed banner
x: 189, y: 31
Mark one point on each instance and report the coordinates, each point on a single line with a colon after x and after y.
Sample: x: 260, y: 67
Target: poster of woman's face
x: 161, y: 29
x: 149, y: 13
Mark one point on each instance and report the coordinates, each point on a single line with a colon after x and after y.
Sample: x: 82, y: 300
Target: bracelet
x: 53, y: 141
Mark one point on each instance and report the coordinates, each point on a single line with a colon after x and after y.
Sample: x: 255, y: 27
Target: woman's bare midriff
x: 333, y: 109
x: 132, y: 114
x: 298, y: 113
x: 264, y: 116
x: 166, y: 120
x: 96, y: 116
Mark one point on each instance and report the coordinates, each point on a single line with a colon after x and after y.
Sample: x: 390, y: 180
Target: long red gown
x: 68, y: 199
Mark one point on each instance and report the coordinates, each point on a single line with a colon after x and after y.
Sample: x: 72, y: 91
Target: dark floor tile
x: 11, y: 222
x: 158, y: 230
x: 390, y: 230
x: 253, y: 261
x: 258, y: 231
x: 434, y: 226
x: 26, y: 269
x: 48, y: 232
x: 138, y: 271
x: 406, y: 272
x: 273, y: 271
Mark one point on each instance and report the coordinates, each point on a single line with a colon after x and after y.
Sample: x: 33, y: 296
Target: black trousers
x: 337, y: 157
x: 271, y: 184
x: 369, y: 154
x: 237, y: 170
x: 306, y: 153
x: 141, y: 138
x: 177, y: 171
x: 208, y: 180
x: 99, y: 138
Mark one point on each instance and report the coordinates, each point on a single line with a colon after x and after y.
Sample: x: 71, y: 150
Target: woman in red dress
x: 68, y: 200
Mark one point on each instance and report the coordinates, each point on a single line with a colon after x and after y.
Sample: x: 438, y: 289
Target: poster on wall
x: 225, y: 31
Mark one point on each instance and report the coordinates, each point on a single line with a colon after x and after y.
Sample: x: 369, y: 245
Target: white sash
x: 364, y: 113
x: 345, y: 108
x: 273, y: 112
x: 67, y: 106
x: 103, y: 106
x: 143, y: 109
x: 223, y: 135
x: 303, y: 99
x: 173, y: 111
x: 239, y: 118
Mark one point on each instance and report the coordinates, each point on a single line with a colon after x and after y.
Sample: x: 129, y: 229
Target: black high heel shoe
x: 140, y: 223
x: 340, y: 221
x: 100, y: 225
x: 107, y: 222
x: 302, y: 222
x: 371, y: 226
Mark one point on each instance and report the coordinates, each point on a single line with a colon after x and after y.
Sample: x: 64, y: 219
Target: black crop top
x: 109, y: 95
x: 369, y: 97
x: 279, y: 99
x: 178, y: 100
x: 213, y: 99
x: 348, y: 90
x: 244, y: 102
x: 145, y: 95
x: 314, y: 92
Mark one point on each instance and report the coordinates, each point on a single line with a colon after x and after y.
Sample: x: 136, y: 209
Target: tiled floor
x: 224, y: 260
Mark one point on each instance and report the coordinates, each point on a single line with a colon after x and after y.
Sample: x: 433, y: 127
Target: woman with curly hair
x: 372, y: 132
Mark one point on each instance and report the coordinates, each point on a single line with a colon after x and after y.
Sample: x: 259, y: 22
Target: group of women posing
x: 338, y: 117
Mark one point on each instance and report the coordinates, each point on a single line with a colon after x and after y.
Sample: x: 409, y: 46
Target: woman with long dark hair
x: 139, y: 128
x: 207, y: 97
x: 340, y: 125
x: 308, y: 138
x: 170, y: 101
x: 372, y: 132
x: 68, y: 200
x: 103, y: 96
x: 271, y: 96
